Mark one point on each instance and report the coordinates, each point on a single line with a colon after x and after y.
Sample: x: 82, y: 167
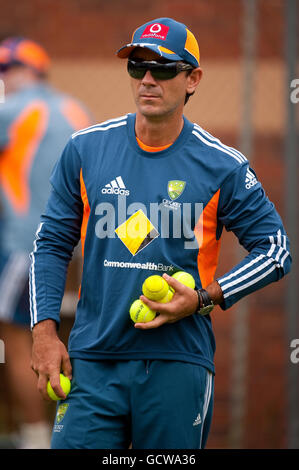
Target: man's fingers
x: 54, y: 379
x: 42, y: 386
x: 33, y: 368
x: 55, y: 384
x: 66, y: 366
x: 174, y: 283
x: 155, y: 323
x: 156, y: 306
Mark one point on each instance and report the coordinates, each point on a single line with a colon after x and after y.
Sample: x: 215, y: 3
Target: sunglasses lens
x: 136, y: 71
x: 164, y: 73
x: 158, y: 71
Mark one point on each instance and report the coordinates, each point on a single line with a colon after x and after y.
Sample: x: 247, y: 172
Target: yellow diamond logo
x: 137, y: 232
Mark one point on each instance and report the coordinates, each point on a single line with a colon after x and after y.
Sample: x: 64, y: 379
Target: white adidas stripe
x: 243, y: 268
x: 247, y: 276
x: 279, y: 259
x: 248, y: 284
x: 199, y: 136
x: 249, y: 176
x: 284, y: 258
x: 88, y: 131
x: 221, y: 144
x: 32, y: 290
x: 100, y: 126
x: 273, y: 246
x: 207, y: 398
x: 279, y: 237
x: 117, y: 183
x: 279, y: 253
x: 282, y: 244
x: 120, y: 182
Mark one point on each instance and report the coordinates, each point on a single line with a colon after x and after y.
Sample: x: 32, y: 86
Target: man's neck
x: 157, y: 132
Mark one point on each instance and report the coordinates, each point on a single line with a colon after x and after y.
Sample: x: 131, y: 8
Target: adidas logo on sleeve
x: 117, y: 187
x: 250, y: 179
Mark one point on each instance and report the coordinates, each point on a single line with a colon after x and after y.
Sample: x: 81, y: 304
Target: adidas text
x: 198, y: 420
x: 117, y: 191
x: 117, y: 187
x: 250, y: 180
x: 251, y: 183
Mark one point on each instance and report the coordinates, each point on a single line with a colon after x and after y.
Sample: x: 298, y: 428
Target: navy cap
x: 168, y: 38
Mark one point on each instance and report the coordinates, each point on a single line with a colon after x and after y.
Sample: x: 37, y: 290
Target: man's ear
x: 193, y: 80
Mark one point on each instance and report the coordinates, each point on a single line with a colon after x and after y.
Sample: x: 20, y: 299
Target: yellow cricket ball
x: 168, y: 296
x: 65, y: 385
x: 185, y: 278
x: 140, y: 312
x: 155, y: 288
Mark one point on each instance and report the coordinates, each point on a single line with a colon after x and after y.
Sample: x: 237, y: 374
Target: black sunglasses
x: 159, y: 71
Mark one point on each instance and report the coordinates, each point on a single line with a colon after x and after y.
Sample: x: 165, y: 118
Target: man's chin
x: 151, y: 111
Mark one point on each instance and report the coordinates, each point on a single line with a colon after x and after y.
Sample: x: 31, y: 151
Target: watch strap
x: 204, y: 302
x: 206, y: 299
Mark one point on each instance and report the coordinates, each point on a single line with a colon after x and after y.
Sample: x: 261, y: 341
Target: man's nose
x: 148, y: 79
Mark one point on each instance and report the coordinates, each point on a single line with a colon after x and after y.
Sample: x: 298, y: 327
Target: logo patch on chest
x: 137, y: 232
x: 116, y: 187
x: 175, y: 188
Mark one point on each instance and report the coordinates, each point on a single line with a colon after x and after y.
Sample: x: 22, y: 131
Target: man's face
x: 158, y: 98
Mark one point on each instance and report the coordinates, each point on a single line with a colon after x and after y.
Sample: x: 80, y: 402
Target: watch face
x: 206, y: 310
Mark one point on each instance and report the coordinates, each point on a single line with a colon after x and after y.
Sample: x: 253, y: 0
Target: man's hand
x: 49, y: 358
x: 183, y: 304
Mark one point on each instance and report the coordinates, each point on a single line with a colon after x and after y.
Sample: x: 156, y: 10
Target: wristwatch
x: 204, y: 302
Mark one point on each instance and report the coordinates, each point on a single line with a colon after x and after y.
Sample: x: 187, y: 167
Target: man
x: 147, y: 193
x: 35, y: 124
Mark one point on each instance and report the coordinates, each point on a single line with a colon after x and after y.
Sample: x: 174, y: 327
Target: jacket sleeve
x: 56, y: 238
x: 245, y: 209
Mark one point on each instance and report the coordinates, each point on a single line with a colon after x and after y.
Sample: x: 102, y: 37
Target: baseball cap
x: 18, y: 50
x: 167, y: 37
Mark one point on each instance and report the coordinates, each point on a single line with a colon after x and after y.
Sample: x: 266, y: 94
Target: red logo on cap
x: 155, y: 30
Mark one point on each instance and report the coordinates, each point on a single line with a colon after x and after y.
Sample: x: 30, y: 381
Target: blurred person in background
x: 35, y: 124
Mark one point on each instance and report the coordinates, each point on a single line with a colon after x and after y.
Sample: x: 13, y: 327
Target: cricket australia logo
x: 175, y: 188
x: 62, y: 409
